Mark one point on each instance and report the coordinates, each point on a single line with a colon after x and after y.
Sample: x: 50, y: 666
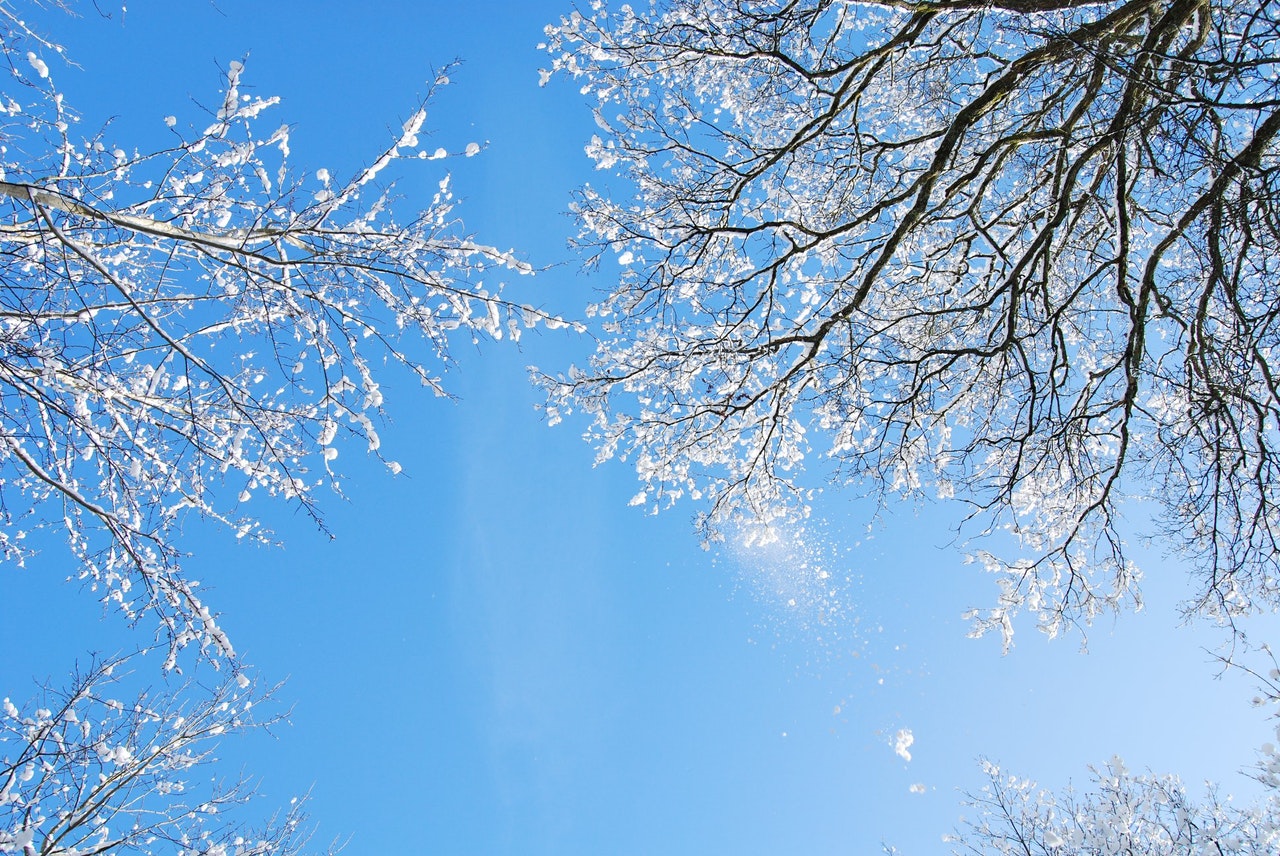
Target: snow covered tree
x: 1123, y: 813
x: 186, y: 329
x: 1018, y: 252
x: 83, y: 771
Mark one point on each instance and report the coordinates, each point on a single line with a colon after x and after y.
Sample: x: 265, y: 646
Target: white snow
x: 902, y: 743
x: 37, y: 64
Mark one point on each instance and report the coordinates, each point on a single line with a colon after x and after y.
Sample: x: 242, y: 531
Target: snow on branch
x: 186, y: 330
x: 94, y: 768
x: 1020, y: 254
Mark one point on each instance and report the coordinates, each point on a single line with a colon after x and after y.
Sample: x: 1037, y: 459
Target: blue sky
x: 495, y: 654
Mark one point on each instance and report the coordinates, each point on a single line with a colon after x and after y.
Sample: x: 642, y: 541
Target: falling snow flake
x: 902, y: 743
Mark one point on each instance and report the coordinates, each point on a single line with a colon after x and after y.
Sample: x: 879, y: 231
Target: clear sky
x: 495, y: 654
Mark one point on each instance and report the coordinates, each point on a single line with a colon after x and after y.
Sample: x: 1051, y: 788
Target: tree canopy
x: 1022, y: 254
x: 183, y: 330
x: 1125, y: 812
x: 90, y: 768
